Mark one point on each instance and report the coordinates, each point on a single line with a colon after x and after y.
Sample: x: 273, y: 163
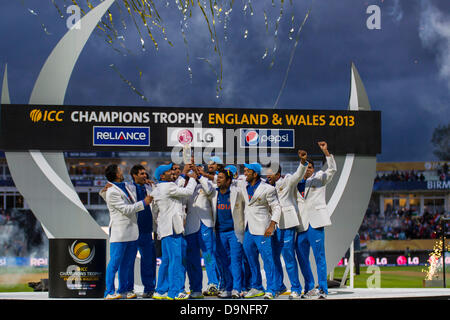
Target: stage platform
x: 334, y: 294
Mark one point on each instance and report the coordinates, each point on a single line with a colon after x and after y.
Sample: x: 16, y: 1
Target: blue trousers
x: 162, y: 285
x: 284, y: 244
x: 253, y: 246
x: 315, y: 239
x: 146, y: 248
x: 171, y: 274
x: 193, y: 261
x: 276, y: 252
x: 122, y: 256
x: 208, y: 247
x: 229, y: 253
x: 246, y: 274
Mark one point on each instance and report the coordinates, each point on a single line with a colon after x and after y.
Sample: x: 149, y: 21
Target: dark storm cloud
x: 401, y: 71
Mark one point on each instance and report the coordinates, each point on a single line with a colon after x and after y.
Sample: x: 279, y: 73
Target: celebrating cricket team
x: 232, y: 222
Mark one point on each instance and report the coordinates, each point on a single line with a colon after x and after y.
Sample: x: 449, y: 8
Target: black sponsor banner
x: 391, y: 258
x: 77, y: 268
x: 104, y: 128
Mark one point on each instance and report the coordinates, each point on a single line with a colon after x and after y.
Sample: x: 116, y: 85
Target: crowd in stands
x: 401, y: 224
x: 400, y: 176
x: 441, y: 172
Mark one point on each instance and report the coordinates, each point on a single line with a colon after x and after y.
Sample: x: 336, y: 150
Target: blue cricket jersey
x: 144, y: 218
x: 224, y: 220
x: 251, y: 189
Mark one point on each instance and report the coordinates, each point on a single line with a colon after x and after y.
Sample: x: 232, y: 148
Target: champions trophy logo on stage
x: 43, y: 175
x: 81, y: 252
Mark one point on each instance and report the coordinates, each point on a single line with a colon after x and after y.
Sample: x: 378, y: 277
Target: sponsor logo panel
x: 196, y: 137
x: 267, y: 138
x: 121, y: 136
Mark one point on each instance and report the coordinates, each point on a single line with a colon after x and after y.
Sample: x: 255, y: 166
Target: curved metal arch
x: 42, y: 177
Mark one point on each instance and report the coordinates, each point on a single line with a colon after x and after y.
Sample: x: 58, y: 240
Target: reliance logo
x: 122, y: 136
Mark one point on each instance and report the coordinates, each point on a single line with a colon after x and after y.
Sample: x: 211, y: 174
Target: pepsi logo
x: 252, y: 138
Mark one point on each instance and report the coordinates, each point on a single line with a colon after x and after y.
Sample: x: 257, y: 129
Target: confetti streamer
x: 292, y: 56
x: 128, y: 82
x: 148, y: 22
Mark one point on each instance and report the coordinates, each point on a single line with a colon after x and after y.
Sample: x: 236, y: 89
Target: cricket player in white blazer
x: 285, y: 236
x: 228, y: 217
x: 262, y: 213
x: 199, y: 235
x: 123, y: 230
x: 314, y: 217
x: 168, y: 199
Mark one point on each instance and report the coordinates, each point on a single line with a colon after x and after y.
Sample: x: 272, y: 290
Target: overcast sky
x: 405, y: 65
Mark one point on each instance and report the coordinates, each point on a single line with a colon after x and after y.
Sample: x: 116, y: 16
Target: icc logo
x: 81, y: 252
x: 252, y: 138
x: 37, y: 115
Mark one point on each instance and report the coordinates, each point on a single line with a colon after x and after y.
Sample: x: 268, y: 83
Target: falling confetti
x: 128, y: 82
x: 147, y: 19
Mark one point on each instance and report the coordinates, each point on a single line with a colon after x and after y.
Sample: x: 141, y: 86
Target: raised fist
x: 302, y: 154
x: 324, y: 147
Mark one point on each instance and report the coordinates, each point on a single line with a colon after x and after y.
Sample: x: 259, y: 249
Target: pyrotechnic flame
x: 435, y: 261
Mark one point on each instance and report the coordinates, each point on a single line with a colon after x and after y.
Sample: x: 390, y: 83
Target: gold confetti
x: 148, y: 22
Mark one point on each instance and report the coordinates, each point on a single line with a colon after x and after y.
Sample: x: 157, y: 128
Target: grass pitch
x: 390, y: 277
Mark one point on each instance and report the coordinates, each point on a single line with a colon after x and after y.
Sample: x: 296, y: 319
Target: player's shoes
x: 182, y: 296
x: 159, y: 296
x: 322, y: 294
x: 294, y: 295
x: 147, y: 295
x: 269, y: 295
x: 114, y: 296
x: 211, y: 290
x: 254, y: 293
x: 311, y: 294
x: 224, y: 294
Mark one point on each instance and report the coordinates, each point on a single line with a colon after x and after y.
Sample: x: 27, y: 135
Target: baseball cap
x: 161, y: 169
x: 215, y: 159
x: 233, y: 169
x: 255, y: 166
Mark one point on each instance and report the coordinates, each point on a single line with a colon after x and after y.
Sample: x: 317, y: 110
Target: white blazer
x: 261, y: 209
x: 237, y: 210
x: 199, y: 207
x: 122, y: 210
x: 288, y: 196
x: 168, y: 208
x: 313, y: 208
